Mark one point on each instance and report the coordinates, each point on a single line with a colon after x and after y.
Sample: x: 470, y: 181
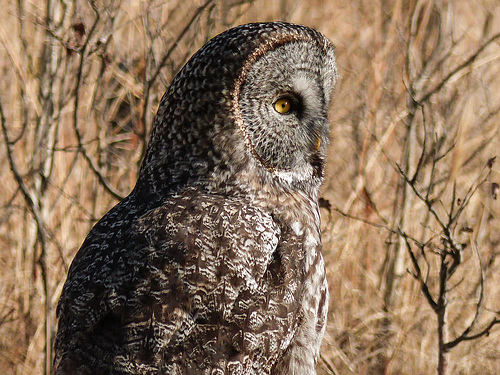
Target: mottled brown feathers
x: 213, y: 265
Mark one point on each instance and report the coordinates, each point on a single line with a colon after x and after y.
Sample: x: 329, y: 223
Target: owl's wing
x: 95, y: 294
x: 217, y: 292
x: 199, y: 281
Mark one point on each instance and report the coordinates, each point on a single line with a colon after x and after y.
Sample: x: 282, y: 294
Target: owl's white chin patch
x: 293, y: 176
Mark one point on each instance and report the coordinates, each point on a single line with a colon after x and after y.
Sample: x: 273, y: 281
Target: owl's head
x: 248, y: 109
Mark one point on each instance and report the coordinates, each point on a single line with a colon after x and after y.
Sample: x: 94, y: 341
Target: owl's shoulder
x: 127, y: 240
x: 210, y: 222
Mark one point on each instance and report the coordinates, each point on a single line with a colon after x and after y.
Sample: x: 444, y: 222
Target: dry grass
x: 79, y: 89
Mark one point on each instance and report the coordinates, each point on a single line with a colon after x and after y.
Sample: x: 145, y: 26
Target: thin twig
x: 457, y: 69
x: 79, y: 77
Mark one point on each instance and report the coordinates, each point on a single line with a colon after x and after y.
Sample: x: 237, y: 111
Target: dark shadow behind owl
x: 213, y: 265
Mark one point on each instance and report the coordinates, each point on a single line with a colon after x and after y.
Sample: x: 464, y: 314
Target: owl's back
x: 201, y: 283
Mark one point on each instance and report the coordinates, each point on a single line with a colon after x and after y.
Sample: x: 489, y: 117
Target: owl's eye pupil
x: 283, y: 105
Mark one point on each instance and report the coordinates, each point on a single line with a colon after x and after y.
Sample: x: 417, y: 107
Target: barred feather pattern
x: 213, y: 265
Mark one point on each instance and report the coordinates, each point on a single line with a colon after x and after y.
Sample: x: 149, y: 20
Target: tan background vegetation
x: 419, y: 89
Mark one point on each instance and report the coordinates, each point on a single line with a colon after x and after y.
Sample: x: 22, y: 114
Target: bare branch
x: 485, y: 332
x: 423, y: 153
x: 418, y: 276
x: 427, y: 202
x: 79, y: 77
x: 459, y: 68
x: 376, y: 225
x: 464, y: 336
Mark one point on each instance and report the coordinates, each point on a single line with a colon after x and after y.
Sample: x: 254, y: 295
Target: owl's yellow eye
x: 282, y: 105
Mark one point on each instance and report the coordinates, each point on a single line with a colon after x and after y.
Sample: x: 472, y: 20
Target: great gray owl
x: 213, y: 265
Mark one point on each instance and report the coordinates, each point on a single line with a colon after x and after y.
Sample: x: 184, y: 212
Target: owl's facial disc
x: 283, y: 108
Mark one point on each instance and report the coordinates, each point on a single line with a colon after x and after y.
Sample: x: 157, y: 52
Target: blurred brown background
x: 410, y: 216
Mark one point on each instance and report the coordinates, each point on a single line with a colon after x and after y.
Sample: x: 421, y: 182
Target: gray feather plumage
x: 213, y: 265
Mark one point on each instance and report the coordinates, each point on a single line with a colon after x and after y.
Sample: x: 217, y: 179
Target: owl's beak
x: 318, y: 143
